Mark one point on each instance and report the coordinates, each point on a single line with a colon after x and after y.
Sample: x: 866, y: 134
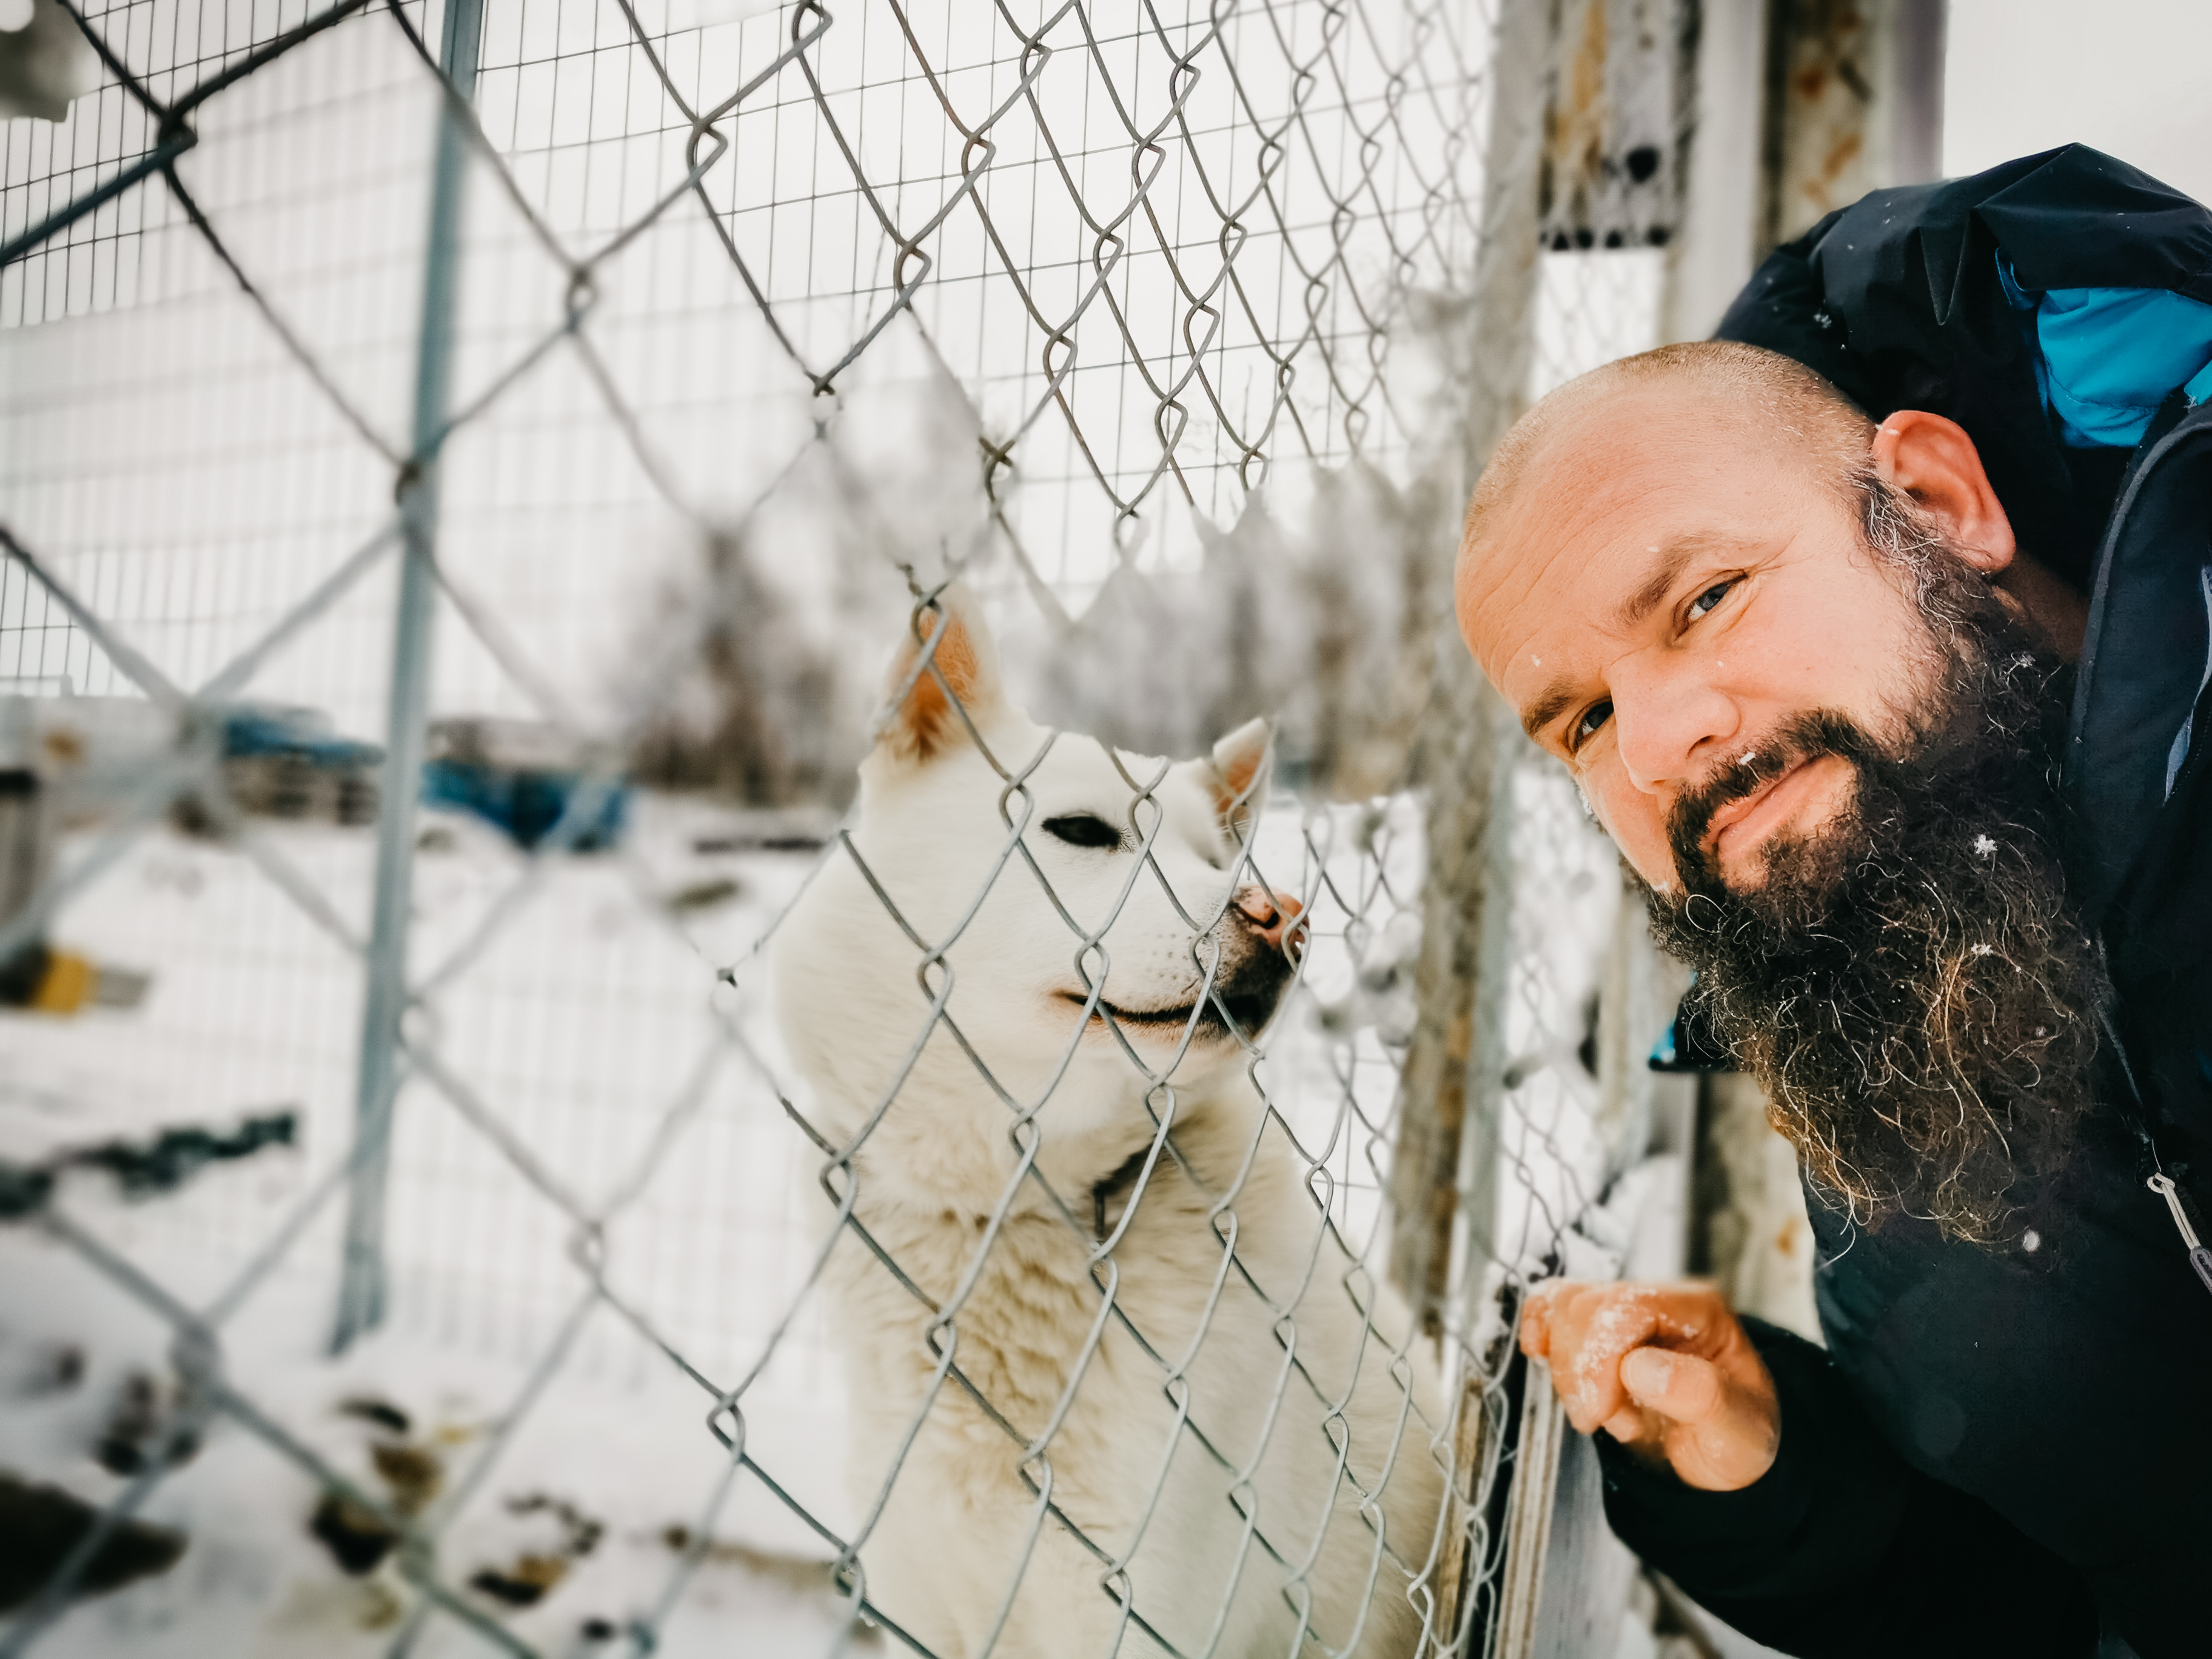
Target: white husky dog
x: 1134, y: 1395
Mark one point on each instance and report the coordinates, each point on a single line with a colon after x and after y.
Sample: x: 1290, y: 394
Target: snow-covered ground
x: 594, y: 1496
x: 607, y: 1013
x: 591, y: 1023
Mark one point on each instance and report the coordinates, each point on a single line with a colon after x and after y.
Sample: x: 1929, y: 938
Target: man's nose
x: 1276, y: 917
x: 1668, y: 724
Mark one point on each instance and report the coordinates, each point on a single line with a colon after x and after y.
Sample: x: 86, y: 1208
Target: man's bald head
x: 1705, y: 510
x: 1744, y: 396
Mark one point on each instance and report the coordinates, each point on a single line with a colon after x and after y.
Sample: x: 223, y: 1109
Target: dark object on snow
x: 584, y: 1533
x: 25, y: 853
x: 792, y: 844
x: 40, y: 1525
x: 528, y: 805
x: 2004, y: 1446
x: 175, y: 1156
x: 356, y: 1538
x: 33, y: 975
x: 380, y: 1413
x: 414, y: 1474
x: 138, y: 1428
x: 250, y: 730
x: 769, y: 830
x: 290, y: 763
x: 532, y: 1576
x: 24, y: 1190
x: 706, y: 895
x: 22, y: 971
x: 144, y: 1168
x: 61, y: 983
x: 526, y: 780
x: 524, y: 1584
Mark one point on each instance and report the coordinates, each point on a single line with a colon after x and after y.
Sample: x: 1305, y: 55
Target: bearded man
x: 1879, y: 636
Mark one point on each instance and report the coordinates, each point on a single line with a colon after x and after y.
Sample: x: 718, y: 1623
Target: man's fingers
x: 1680, y: 1385
x: 1664, y: 1369
x: 1536, y: 1329
x: 1585, y: 1332
x: 1626, y: 1425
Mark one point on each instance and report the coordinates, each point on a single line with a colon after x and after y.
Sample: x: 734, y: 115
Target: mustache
x: 1806, y: 737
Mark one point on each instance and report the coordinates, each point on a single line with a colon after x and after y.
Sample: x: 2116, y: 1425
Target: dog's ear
x: 1242, y: 765
x: 925, y: 723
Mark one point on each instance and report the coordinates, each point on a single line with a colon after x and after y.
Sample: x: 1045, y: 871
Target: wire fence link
x: 467, y: 467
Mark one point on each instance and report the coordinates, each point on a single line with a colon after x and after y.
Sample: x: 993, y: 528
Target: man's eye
x: 1709, y: 601
x: 1082, y: 829
x: 1587, y: 727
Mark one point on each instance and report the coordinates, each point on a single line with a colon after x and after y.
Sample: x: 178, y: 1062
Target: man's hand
x: 1665, y: 1369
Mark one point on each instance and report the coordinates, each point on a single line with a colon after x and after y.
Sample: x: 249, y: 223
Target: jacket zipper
x: 2161, y: 1183
x: 2199, y: 1257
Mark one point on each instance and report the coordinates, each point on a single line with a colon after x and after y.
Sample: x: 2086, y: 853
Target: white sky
x: 2132, y: 77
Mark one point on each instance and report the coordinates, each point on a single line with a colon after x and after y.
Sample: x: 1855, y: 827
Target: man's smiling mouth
x: 1729, y: 813
x: 1750, y: 819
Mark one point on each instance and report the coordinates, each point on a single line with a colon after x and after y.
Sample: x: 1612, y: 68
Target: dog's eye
x: 1082, y: 829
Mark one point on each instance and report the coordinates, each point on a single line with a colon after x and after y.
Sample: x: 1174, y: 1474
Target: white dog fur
x: 1278, y: 1360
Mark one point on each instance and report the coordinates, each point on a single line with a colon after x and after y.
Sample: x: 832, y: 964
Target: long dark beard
x: 1911, y: 985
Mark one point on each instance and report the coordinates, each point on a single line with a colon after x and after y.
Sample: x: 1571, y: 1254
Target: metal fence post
x: 1443, y: 1174
x: 1460, y: 753
x: 1724, y: 184
x: 1854, y: 102
x: 361, y: 1279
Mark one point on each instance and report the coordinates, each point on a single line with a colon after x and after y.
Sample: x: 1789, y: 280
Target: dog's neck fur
x: 1038, y: 1262
x: 923, y: 1168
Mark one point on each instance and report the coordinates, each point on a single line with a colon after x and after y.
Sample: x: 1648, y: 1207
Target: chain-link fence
x: 466, y: 468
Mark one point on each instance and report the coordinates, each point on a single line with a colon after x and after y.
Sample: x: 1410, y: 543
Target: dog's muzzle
x: 1258, y: 960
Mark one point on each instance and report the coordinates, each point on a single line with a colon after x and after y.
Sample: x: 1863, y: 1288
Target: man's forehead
x: 1605, y: 513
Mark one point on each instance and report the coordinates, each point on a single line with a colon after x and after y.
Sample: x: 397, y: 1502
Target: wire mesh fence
x: 466, y: 468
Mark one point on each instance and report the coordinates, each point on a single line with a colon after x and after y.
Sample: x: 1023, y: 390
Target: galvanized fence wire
x: 1161, y: 257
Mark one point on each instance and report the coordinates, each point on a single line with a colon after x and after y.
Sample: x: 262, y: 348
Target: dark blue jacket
x: 2002, y: 1447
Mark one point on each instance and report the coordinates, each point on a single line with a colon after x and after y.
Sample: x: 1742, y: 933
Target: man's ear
x: 963, y: 662
x: 1934, y: 461
x: 1240, y: 767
